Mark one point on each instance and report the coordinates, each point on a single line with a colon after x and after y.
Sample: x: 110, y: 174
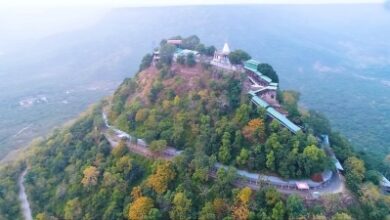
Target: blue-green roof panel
x: 259, y: 102
x: 283, y: 119
x: 251, y: 64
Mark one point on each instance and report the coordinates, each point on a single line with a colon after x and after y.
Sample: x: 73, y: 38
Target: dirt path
x: 26, y: 211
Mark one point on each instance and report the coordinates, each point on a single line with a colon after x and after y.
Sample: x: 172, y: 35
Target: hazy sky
x: 120, y: 3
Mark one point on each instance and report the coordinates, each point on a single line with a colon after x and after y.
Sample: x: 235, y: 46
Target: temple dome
x: 226, y: 49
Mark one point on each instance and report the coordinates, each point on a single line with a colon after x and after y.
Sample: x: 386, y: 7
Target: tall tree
x: 355, y: 171
x: 160, y: 179
x: 269, y: 71
x: 140, y: 208
x: 238, y: 56
x: 254, y: 130
x: 91, y: 174
x: 224, y: 152
x: 181, y: 207
x: 295, y: 206
x: 146, y: 61
x: 207, y: 212
x: 73, y: 209
x: 278, y: 211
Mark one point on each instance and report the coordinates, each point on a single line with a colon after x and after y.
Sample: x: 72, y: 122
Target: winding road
x: 25, y: 205
x: 333, y: 183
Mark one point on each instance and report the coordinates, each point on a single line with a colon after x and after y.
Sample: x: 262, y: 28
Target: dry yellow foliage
x: 245, y: 195
x: 254, y: 130
x: 91, y: 174
x: 136, y: 192
x: 240, y: 212
x: 160, y: 179
x: 140, y: 208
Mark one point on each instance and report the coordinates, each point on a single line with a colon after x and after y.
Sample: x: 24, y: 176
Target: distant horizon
x: 169, y: 3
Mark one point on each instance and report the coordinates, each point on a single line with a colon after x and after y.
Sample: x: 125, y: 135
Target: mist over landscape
x: 203, y: 111
x: 339, y: 63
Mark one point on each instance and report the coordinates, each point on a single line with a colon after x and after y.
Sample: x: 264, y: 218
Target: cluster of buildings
x: 263, y: 91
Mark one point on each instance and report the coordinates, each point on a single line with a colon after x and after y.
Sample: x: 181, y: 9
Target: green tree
x: 181, y: 60
x: 238, y: 56
x: 146, y: 61
x: 269, y: 71
x: 181, y: 209
x: 120, y: 149
x: 355, y: 170
x: 242, y: 159
x: 315, y: 160
x: 373, y: 176
x: 341, y: 216
x: 158, y: 146
x: 209, y: 51
x: 224, y: 152
x: 166, y: 53
x: 278, y: 211
x: 295, y: 207
x: 272, y: 196
x: 234, y: 92
x: 271, y: 160
x: 73, y: 209
x: 190, y: 42
x: 190, y: 60
x: 207, y: 212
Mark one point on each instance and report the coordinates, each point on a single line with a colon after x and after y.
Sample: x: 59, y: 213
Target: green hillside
x: 85, y: 171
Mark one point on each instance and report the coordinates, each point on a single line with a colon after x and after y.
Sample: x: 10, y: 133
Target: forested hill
x: 82, y: 172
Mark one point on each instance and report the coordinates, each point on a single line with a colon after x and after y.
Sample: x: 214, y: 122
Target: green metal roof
x: 259, y: 102
x: 273, y: 113
x: 283, y: 119
x: 252, y: 64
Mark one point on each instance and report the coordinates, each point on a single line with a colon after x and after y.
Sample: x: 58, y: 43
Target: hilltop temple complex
x: 263, y: 91
x: 221, y: 58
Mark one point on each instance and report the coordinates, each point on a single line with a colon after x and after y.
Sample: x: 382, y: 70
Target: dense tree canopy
x: 238, y: 56
x: 76, y: 174
x: 269, y: 71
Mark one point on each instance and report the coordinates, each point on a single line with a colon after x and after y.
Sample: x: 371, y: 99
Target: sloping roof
x: 184, y: 52
x: 259, y: 102
x: 273, y: 113
x: 302, y: 185
x: 174, y: 41
x: 251, y: 65
x: 283, y: 120
x: 385, y: 182
x: 337, y: 163
x: 265, y: 88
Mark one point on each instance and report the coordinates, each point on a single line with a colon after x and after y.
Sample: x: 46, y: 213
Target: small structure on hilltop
x: 256, y: 77
x: 263, y: 93
x: 175, y: 42
x: 180, y: 52
x: 221, y: 58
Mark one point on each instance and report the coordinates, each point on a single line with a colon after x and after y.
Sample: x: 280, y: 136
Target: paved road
x: 334, y: 184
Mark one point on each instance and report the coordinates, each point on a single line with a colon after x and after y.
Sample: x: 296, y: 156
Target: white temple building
x: 221, y: 58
